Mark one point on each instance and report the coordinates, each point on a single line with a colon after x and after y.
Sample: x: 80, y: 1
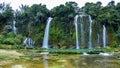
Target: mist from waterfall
x: 46, y: 34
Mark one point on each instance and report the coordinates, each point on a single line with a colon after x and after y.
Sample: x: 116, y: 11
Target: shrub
x: 9, y: 41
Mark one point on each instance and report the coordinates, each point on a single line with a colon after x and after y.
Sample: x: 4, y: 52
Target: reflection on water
x: 45, y: 57
x: 66, y: 61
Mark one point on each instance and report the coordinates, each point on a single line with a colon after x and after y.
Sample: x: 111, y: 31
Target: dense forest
x: 31, y: 22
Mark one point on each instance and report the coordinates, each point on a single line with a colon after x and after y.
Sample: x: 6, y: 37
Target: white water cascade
x: 104, y: 36
x: 29, y: 42
x: 76, y: 29
x: 46, y: 35
x: 14, y: 27
x: 87, y: 35
x: 83, y: 32
x: 90, y: 33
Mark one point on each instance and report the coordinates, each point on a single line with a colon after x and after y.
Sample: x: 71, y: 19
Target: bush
x: 19, y: 39
x: 11, y: 35
x: 114, y: 44
x: 9, y: 41
x: 3, y: 46
x: 1, y: 38
x: 17, y: 47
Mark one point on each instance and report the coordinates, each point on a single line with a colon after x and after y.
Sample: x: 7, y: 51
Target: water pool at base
x: 65, y: 61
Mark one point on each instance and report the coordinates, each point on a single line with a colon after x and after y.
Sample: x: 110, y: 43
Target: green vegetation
x: 31, y: 21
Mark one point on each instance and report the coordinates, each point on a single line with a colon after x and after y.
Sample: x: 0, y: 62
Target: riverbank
x: 8, y: 55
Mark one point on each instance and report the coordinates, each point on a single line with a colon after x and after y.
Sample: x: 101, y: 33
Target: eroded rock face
x: 7, y: 29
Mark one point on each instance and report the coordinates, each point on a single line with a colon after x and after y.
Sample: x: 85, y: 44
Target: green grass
x: 57, y: 67
x: 73, y: 51
x: 62, y: 51
x: 59, y: 51
x: 7, y: 57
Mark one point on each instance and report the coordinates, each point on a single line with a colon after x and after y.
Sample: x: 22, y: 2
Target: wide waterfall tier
x: 46, y: 34
x: 83, y: 28
x: 88, y: 33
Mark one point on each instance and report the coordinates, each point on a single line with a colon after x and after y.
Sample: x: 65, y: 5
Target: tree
x: 31, y: 16
x: 6, y: 15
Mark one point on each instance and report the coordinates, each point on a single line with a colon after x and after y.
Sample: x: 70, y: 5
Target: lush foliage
x: 31, y: 21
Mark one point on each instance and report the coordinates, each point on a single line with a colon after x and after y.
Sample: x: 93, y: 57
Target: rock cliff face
x: 7, y: 29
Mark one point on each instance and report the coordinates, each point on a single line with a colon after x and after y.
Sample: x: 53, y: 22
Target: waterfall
x: 29, y: 42
x: 86, y: 33
x: 76, y: 29
x: 90, y: 33
x: 104, y: 36
x: 82, y: 30
x: 46, y: 35
x: 14, y: 27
